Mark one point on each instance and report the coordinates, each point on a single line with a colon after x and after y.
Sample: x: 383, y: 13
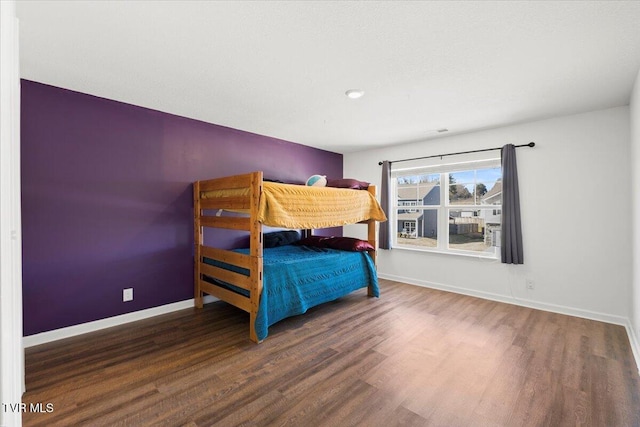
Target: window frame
x: 445, y: 207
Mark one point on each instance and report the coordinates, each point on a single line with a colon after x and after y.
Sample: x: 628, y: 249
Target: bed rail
x: 251, y: 262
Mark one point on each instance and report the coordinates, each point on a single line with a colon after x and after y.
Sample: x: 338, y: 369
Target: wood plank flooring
x: 416, y: 356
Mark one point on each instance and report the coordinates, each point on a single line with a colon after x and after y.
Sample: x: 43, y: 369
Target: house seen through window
x: 455, y: 208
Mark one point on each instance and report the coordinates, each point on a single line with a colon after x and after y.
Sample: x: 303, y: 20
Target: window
x: 455, y: 208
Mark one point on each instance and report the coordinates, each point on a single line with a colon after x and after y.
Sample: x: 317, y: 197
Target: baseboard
x: 58, y: 334
x: 554, y: 308
x: 84, y: 328
x: 635, y: 346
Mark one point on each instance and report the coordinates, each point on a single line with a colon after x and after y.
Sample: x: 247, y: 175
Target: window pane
x: 418, y: 229
x: 418, y: 190
x: 462, y: 188
x: 476, y: 187
x: 492, y: 194
x: 476, y: 230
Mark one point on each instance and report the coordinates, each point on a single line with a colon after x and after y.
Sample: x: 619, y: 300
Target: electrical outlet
x: 127, y: 294
x: 530, y: 284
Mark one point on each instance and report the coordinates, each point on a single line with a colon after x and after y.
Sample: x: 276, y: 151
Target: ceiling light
x: 354, y: 93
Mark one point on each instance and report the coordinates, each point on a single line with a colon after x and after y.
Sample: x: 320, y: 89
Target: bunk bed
x: 274, y: 283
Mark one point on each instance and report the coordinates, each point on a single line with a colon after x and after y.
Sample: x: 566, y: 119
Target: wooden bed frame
x: 252, y: 261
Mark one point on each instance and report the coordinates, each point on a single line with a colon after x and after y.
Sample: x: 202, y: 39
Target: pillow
x: 317, y: 181
x: 347, y: 244
x: 341, y: 243
x: 347, y: 183
x: 313, y: 241
x: 279, y: 238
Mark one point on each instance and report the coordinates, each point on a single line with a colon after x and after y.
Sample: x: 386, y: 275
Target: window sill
x: 488, y: 257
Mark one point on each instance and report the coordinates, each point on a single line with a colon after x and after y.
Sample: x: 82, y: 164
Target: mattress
x: 296, y: 278
x: 300, y: 206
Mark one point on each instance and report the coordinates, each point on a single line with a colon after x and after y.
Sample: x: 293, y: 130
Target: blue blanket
x: 296, y: 278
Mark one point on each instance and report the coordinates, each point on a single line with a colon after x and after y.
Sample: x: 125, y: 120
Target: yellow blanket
x: 299, y: 206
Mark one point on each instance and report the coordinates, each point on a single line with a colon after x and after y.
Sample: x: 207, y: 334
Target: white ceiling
x: 281, y: 68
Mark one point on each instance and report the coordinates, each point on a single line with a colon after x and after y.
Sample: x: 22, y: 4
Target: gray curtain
x: 511, y: 228
x: 385, y: 203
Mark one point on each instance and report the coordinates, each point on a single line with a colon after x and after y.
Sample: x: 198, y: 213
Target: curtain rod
x: 531, y: 144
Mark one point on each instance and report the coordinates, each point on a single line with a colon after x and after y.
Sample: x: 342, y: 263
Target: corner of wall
x: 634, y: 120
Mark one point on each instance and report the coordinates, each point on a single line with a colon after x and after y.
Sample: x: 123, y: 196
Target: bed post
x: 255, y: 251
x: 372, y: 239
x: 197, y: 243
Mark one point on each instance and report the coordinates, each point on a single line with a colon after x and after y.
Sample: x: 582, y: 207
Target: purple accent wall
x: 107, y: 200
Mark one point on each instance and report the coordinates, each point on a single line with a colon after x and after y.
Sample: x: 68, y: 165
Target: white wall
x: 576, y: 212
x: 635, y: 183
x: 12, y: 355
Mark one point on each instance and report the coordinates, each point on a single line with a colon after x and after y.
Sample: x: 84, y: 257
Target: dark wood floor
x: 413, y: 357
